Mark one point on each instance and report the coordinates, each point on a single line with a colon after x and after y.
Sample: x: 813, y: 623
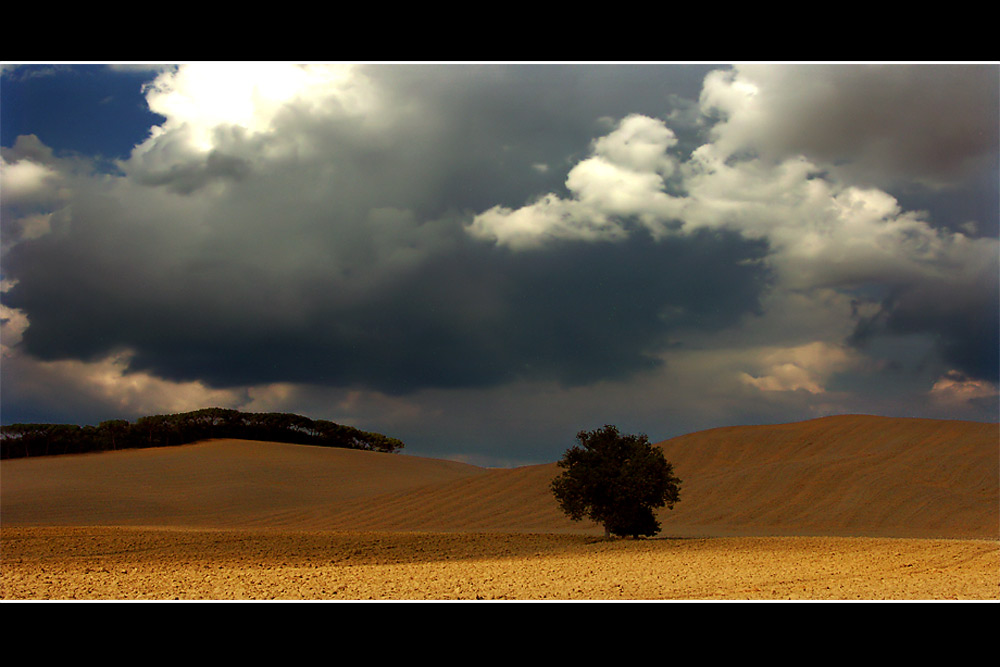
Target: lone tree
x: 617, y: 481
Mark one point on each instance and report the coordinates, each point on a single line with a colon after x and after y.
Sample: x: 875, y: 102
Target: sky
x: 483, y: 259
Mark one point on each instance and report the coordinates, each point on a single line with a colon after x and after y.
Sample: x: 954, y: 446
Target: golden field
x: 839, y: 508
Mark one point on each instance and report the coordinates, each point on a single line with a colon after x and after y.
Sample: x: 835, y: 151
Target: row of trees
x: 21, y: 440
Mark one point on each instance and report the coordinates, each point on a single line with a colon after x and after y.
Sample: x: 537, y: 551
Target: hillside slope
x: 847, y: 475
x: 843, y: 475
x: 215, y: 483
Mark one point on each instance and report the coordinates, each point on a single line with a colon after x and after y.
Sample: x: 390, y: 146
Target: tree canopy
x: 20, y: 440
x: 617, y: 481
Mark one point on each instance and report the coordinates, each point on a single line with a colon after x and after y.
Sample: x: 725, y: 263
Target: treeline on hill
x: 22, y: 440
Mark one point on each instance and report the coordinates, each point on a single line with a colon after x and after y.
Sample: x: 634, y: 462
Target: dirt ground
x: 74, y: 563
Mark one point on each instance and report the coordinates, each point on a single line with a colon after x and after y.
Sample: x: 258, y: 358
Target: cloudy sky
x: 484, y: 259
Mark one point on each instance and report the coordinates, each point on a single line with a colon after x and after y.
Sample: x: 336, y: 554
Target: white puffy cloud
x: 548, y: 218
x: 624, y: 177
x: 823, y: 232
x: 25, y: 182
x: 197, y: 100
x: 33, y: 187
x: 609, y: 189
x: 639, y: 143
x: 223, y: 119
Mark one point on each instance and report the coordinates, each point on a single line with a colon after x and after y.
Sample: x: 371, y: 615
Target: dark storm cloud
x: 963, y: 323
x: 476, y: 315
x: 972, y: 208
x: 192, y: 176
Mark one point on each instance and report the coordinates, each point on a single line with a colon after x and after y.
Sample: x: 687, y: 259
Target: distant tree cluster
x: 21, y: 440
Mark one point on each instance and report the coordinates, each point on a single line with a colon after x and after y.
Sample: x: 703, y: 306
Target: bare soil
x: 183, y: 564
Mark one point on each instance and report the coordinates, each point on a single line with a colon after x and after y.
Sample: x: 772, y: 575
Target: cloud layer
x: 395, y: 234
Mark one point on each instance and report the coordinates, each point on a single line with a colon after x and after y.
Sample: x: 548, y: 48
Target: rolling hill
x: 836, y: 476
